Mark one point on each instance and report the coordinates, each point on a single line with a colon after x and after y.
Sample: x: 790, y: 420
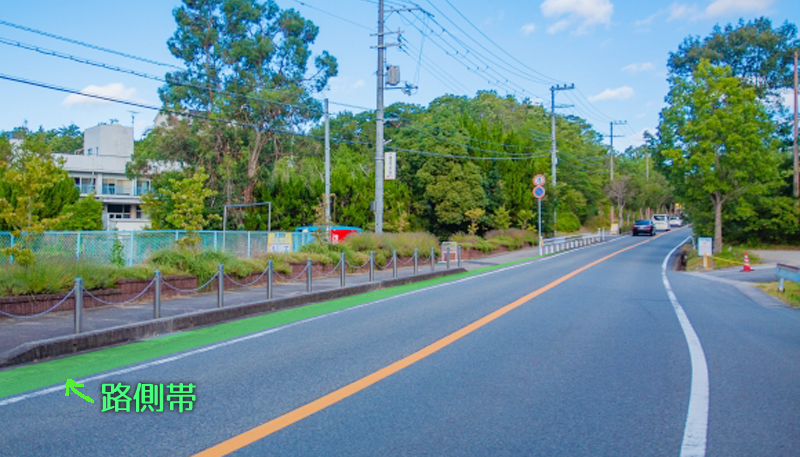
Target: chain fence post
x: 269, y: 279
x: 371, y: 266
x: 416, y: 260
x: 394, y: 263
x: 343, y: 272
x: 78, y: 304
x: 248, y: 244
x: 433, y: 258
x: 448, y: 257
x: 157, y: 295
x: 220, y: 285
x: 215, y: 241
x: 458, y: 256
x: 78, y: 247
x: 12, y: 245
x: 308, y: 275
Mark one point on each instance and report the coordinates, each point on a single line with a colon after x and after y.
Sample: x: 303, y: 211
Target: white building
x: 100, y: 168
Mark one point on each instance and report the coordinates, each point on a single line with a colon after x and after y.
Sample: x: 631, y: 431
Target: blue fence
x: 136, y: 246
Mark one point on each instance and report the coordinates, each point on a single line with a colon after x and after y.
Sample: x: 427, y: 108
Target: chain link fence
x: 134, y: 247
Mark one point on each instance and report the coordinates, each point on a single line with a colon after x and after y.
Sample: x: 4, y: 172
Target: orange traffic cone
x: 746, y: 266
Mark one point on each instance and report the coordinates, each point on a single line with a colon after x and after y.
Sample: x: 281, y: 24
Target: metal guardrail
x: 784, y: 272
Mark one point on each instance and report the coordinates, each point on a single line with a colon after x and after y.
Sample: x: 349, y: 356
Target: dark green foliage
x: 86, y: 214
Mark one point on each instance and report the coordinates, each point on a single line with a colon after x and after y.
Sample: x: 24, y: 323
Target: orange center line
x: 239, y: 441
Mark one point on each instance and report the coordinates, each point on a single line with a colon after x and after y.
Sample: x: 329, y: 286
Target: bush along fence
x: 134, y: 247
x: 159, y: 287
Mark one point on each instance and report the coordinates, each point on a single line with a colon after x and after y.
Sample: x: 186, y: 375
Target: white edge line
x: 61, y: 387
x: 696, y: 430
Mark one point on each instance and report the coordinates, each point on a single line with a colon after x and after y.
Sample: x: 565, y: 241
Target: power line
x: 454, y: 156
x: 139, y: 74
x: 92, y: 46
x: 334, y: 15
x: 498, y: 46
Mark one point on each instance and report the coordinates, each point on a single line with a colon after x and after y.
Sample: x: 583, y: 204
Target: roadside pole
x: 538, y: 192
x: 540, y: 225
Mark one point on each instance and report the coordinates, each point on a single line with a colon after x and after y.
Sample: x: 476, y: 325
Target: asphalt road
x: 596, y: 364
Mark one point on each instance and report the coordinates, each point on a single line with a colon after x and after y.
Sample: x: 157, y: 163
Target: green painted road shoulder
x: 14, y: 381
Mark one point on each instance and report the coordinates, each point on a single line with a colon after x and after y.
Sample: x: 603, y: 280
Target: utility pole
x: 327, y: 167
x: 796, y: 171
x: 379, y: 120
x: 647, y: 165
x: 133, y: 120
x: 613, y: 123
x: 379, y: 128
x: 553, y: 150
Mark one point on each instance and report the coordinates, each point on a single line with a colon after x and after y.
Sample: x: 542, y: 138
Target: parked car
x: 675, y: 221
x: 661, y: 222
x: 644, y: 227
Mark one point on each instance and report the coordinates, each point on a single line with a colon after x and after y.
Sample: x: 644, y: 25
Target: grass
x: 473, y: 242
x: 58, y: 277
x: 731, y: 256
x: 790, y: 296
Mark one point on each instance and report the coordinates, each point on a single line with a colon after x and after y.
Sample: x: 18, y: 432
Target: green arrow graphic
x: 71, y: 385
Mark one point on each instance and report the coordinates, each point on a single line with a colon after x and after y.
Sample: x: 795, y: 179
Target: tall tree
x: 717, y: 138
x: 247, y: 72
x: 755, y: 52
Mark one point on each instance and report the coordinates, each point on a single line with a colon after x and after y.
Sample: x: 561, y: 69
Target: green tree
x: 85, y: 214
x: 755, y: 52
x: 248, y: 62
x: 524, y: 217
x: 187, y: 198
x: 717, y: 137
x: 501, y: 218
x: 29, y: 175
x: 474, y: 216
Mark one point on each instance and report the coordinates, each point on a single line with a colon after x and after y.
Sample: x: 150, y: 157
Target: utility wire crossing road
x: 597, y: 351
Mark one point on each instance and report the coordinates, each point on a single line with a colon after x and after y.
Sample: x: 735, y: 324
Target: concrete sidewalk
x: 16, y: 332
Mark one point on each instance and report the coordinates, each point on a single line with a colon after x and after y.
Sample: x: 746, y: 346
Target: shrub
x: 596, y: 222
x: 568, y: 222
x: 519, y: 236
x: 472, y: 242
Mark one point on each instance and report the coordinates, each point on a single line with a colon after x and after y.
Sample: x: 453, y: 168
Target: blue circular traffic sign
x: 538, y: 191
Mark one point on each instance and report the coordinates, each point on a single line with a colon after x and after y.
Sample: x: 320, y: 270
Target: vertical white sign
x: 389, y: 165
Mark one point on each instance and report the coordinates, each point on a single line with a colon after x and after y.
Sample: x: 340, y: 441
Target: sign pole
x: 540, y: 225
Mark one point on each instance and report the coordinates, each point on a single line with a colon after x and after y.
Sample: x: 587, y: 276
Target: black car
x: 645, y: 226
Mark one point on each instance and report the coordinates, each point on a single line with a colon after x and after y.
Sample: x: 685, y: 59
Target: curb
x: 72, y: 344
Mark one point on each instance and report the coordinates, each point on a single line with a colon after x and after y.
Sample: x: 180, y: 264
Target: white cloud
x: 718, y: 8
x: 527, y: 29
x: 358, y: 84
x: 723, y: 7
x: 585, y: 13
x: 557, y: 27
x: 644, y: 23
x: 113, y: 90
x: 620, y: 93
x: 639, y: 67
x: 681, y: 11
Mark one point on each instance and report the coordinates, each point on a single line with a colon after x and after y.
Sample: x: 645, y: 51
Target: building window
x: 119, y: 211
x: 142, y: 187
x: 90, y: 152
x: 85, y: 185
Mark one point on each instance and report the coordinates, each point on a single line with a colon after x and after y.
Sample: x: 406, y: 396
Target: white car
x: 661, y: 222
x: 675, y: 221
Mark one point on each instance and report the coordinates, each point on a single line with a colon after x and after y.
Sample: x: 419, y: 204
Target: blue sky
x: 614, y: 51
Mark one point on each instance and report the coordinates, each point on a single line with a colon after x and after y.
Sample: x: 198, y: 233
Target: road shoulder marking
x: 696, y: 429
